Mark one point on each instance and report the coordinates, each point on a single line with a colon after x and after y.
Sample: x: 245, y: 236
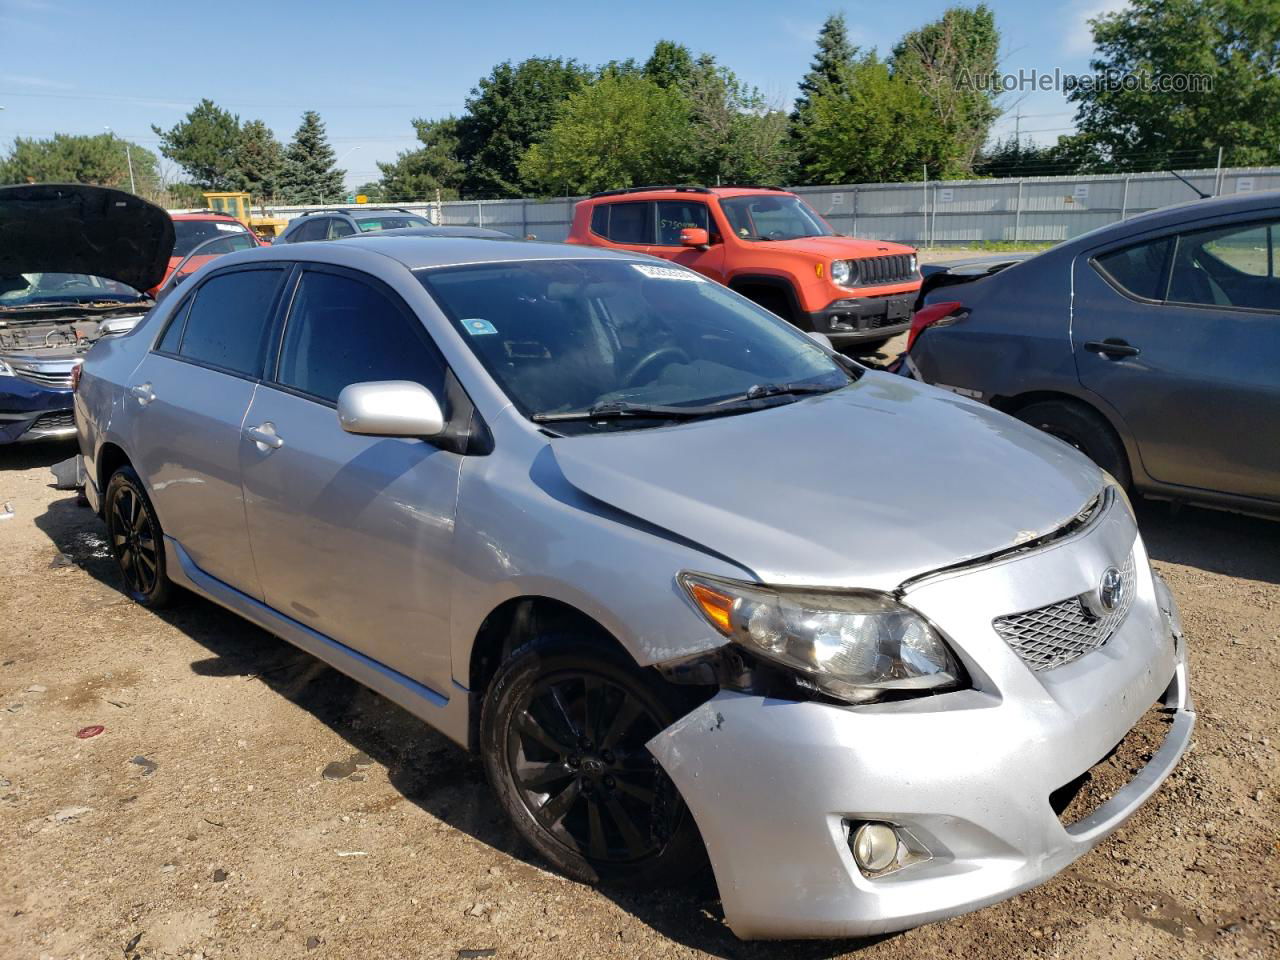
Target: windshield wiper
x: 618, y: 409
x: 743, y: 402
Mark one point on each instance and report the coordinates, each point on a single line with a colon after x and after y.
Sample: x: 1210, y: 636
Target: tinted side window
x: 1227, y: 266
x: 173, y: 333
x: 340, y: 228
x: 631, y: 222
x: 227, y: 323
x: 343, y: 331
x: 313, y: 228
x: 600, y: 220
x: 675, y: 215
x: 1141, y: 270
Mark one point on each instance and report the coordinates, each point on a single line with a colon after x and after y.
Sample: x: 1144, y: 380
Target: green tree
x: 205, y: 144
x: 259, y: 159
x: 619, y: 132
x: 670, y: 65
x: 435, y: 166
x: 866, y: 126
x: 102, y: 159
x: 835, y: 54
x: 952, y: 61
x: 307, y: 175
x: 1136, y: 126
x: 734, y: 137
x: 507, y: 112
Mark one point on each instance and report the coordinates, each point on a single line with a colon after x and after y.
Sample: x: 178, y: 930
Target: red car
x: 192, y: 229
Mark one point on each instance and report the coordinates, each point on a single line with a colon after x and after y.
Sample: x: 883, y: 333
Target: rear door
x: 1180, y: 334
x: 188, y: 400
x: 627, y: 224
x: 353, y: 535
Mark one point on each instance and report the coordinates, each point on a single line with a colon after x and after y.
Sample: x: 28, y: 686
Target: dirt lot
x: 245, y: 801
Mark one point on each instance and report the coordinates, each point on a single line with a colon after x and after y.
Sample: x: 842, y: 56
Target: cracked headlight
x: 855, y: 646
x: 841, y: 272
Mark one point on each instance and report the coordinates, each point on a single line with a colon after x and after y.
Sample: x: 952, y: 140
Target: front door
x: 674, y: 216
x: 1181, y: 335
x: 353, y: 535
x: 187, y: 402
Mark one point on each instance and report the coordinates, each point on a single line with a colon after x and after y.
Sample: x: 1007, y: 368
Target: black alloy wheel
x: 563, y: 733
x: 136, y: 539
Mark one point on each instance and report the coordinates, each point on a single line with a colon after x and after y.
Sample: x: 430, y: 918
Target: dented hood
x: 72, y: 228
x: 867, y: 487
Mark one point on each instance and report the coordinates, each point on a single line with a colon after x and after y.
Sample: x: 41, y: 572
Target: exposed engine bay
x: 65, y: 336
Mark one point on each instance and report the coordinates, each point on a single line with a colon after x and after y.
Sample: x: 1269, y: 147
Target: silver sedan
x: 694, y: 586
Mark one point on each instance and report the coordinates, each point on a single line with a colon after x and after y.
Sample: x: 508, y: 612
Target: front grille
x: 1064, y: 631
x: 894, y: 268
x: 64, y: 419
x: 45, y: 377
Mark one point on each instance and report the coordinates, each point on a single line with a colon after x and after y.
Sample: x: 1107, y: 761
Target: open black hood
x: 71, y: 228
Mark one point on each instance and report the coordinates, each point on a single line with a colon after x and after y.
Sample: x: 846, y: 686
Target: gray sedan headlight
x: 842, y: 272
x: 6, y: 370
x: 855, y: 646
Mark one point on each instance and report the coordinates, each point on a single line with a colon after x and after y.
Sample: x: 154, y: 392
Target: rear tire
x: 562, y: 734
x: 136, y: 540
x: 1083, y: 428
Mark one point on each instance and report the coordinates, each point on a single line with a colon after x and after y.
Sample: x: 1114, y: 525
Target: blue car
x: 70, y: 274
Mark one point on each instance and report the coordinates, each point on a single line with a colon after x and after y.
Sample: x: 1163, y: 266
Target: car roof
x: 1175, y: 215
x: 437, y: 231
x: 685, y: 191
x: 420, y: 252
x: 366, y: 214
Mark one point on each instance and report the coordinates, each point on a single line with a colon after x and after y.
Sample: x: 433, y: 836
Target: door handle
x: 264, y: 436
x: 1112, y: 349
x: 142, y: 393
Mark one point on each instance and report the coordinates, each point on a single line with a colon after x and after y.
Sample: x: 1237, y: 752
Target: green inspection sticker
x: 478, y: 328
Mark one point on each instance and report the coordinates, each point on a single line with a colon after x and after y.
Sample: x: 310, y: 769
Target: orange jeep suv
x: 768, y: 245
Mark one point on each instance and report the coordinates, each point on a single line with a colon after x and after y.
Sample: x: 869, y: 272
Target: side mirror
x: 390, y: 408
x: 694, y: 237
x: 821, y: 338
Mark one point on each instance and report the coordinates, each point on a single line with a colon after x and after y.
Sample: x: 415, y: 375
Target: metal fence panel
x: 954, y: 212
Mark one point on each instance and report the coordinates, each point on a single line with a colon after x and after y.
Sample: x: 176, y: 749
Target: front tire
x: 1084, y: 429
x: 136, y: 539
x: 562, y: 732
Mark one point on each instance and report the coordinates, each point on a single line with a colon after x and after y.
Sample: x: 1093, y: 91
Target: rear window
x: 1141, y: 270
x: 227, y: 323
x: 189, y: 234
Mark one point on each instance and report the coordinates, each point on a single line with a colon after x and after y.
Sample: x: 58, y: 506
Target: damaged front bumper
x: 971, y: 779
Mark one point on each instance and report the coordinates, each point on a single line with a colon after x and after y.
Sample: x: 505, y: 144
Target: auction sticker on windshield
x: 666, y: 273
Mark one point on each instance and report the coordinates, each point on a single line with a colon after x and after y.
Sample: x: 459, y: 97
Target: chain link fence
x: 924, y: 214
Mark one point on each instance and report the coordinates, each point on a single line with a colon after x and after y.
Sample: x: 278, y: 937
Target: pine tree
x: 308, y: 175
x: 835, y: 55
x: 259, y: 158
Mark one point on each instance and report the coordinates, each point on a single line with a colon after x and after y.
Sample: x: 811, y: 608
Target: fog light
x: 875, y: 847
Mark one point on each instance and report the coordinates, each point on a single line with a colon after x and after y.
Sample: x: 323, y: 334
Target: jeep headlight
x: 842, y: 272
x: 915, y: 263
x: 856, y: 646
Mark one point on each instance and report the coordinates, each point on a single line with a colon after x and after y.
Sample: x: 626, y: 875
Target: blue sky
x: 369, y: 67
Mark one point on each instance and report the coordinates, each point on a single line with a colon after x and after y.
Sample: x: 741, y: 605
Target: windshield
x: 564, y: 338
x: 189, y: 234
x: 373, y: 224
x: 36, y: 289
x: 769, y: 217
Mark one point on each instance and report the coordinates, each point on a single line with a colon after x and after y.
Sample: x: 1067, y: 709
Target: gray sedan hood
x: 73, y: 228
x: 867, y: 487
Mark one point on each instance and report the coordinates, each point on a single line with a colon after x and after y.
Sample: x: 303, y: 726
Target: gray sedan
x: 692, y: 585
x: 1153, y: 345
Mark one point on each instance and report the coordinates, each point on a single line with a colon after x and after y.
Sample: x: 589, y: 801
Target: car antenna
x: 1203, y: 195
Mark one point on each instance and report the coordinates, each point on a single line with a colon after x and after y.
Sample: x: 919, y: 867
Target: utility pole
x: 924, y: 206
x: 128, y: 158
x: 1217, y: 177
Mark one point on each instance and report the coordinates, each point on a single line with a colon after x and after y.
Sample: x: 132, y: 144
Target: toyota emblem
x: 1110, y: 590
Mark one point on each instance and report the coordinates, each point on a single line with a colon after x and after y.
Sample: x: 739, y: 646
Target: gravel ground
x: 245, y: 801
